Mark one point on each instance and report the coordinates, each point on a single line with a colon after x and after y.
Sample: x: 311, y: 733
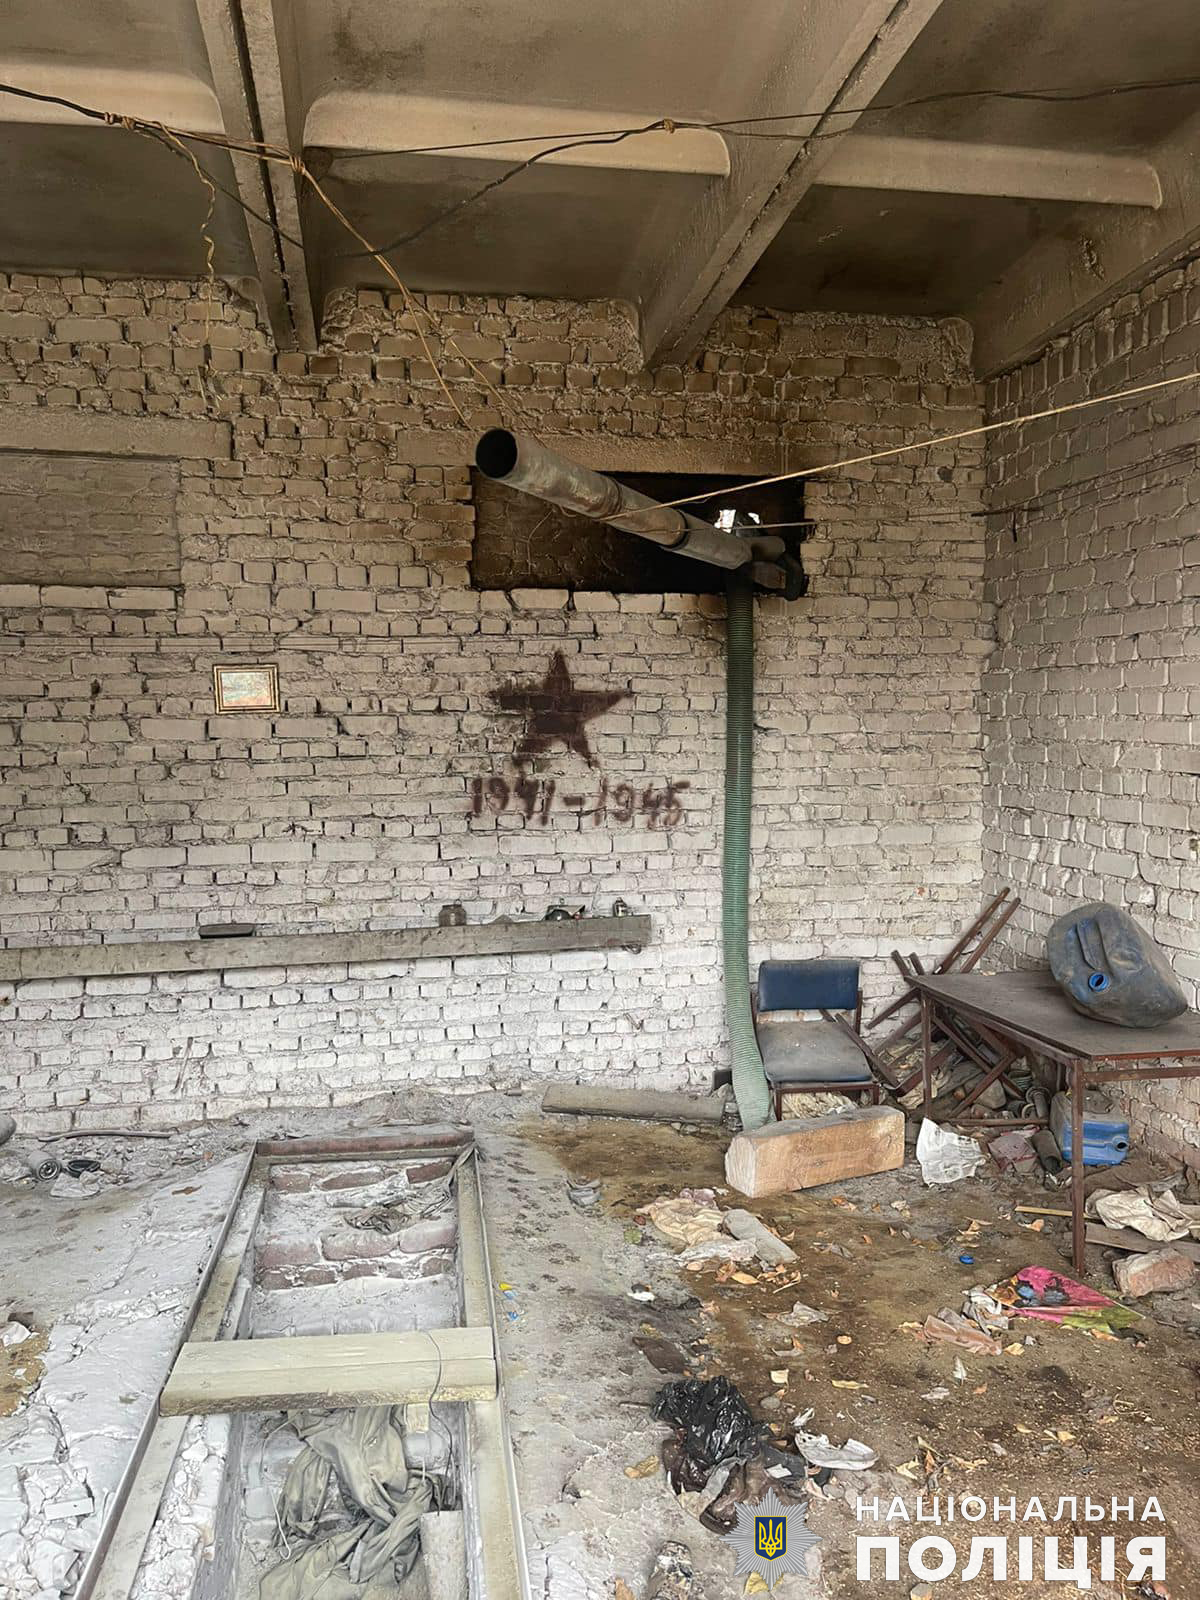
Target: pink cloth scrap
x: 1079, y: 1296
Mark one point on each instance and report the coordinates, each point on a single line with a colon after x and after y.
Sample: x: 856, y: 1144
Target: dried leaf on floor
x: 622, y: 1591
x: 643, y: 1469
x: 755, y: 1584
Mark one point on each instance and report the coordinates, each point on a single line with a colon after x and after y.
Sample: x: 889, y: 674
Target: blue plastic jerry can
x: 1105, y: 1133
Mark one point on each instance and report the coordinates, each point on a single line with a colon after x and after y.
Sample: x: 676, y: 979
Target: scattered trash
x: 1161, y: 1217
x: 643, y: 1292
x: 800, y: 1316
x: 508, y: 1301
x: 1050, y: 1157
x: 951, y: 1327
x: 733, y: 1250
x: 662, y: 1355
x: 853, y: 1456
x: 946, y: 1157
x: 1052, y: 1297
x: 643, y: 1469
x: 768, y: 1246
x: 1013, y: 1152
x: 1157, y: 1271
x: 362, y: 1453
x: 967, y: 1260
x: 712, y: 1424
x: 985, y: 1311
x: 686, y: 1220
x: 815, y: 1103
x: 583, y: 1193
x: 45, y: 1168
x: 673, y: 1575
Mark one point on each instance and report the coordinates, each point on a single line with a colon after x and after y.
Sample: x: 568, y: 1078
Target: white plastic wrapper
x: 946, y: 1157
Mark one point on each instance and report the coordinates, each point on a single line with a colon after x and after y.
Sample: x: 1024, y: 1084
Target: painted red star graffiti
x: 555, y: 711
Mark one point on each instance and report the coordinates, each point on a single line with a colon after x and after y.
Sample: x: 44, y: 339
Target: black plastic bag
x: 713, y: 1421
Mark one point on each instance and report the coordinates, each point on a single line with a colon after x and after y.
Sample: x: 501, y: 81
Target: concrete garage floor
x: 1071, y: 1415
x: 1128, y: 1407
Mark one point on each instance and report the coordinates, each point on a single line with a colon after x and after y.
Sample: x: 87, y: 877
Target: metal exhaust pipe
x: 522, y: 463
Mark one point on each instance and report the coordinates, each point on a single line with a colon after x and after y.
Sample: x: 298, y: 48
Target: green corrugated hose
x: 749, y: 1081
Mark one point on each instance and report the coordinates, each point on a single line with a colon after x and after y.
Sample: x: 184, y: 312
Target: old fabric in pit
x: 364, y: 1450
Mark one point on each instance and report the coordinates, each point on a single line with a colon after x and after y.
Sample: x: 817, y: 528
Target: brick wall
x: 333, y: 539
x: 1093, y: 693
x: 82, y: 519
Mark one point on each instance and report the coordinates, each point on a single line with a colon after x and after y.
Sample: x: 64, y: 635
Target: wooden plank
x: 1130, y: 1239
x: 653, y: 1105
x: 300, y: 949
x: 113, y: 1565
x: 368, y: 1369
x: 802, y: 1152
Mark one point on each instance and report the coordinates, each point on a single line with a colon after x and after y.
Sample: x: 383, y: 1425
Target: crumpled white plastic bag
x: 853, y: 1456
x: 946, y: 1157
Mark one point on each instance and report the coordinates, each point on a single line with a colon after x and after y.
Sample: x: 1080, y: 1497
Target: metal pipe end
x: 496, y: 453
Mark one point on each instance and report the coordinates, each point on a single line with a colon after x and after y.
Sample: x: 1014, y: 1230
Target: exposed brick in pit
x: 331, y: 546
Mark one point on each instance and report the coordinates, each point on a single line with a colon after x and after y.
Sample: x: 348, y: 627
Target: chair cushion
x: 810, y: 1052
x: 825, y: 985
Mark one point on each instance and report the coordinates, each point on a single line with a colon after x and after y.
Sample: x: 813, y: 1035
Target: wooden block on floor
x: 347, y: 1369
x: 806, y: 1151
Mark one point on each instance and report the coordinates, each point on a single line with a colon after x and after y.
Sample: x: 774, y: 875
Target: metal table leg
x: 1076, y: 1075
x: 926, y: 1051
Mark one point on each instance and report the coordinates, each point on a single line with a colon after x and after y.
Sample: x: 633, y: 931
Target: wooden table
x: 1028, y: 1013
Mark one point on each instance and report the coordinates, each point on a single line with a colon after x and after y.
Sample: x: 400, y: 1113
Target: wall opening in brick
x: 88, y: 519
x: 523, y: 543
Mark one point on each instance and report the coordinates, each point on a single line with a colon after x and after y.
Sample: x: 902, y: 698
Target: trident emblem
x: 770, y: 1537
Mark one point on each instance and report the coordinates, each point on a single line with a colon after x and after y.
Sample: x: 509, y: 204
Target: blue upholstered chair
x: 802, y: 1057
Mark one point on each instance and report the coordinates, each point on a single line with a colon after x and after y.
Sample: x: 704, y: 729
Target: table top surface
x: 1032, y: 1005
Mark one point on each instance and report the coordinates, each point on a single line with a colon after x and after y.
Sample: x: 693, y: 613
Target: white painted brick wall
x: 333, y: 547
x: 1093, y: 693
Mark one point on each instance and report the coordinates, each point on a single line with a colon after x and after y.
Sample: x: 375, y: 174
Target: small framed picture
x: 246, y: 688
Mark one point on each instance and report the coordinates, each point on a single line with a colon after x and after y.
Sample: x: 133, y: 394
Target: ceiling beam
x: 1067, y: 276
x: 950, y: 166
x: 361, y: 121
x: 271, y: 59
x: 840, y: 55
x: 222, y: 40
x: 176, y: 98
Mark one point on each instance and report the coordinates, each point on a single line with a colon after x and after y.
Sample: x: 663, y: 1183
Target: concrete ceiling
x: 1018, y: 214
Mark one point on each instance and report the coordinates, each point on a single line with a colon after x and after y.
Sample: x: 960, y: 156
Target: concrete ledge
x: 97, y: 433
x: 51, y: 961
